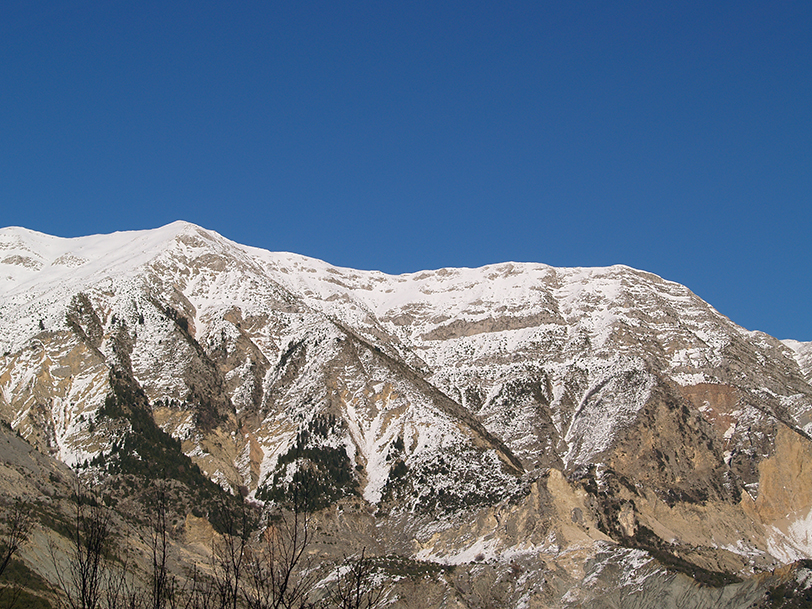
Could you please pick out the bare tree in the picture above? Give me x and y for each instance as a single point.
(163, 585)
(17, 525)
(16, 528)
(86, 576)
(229, 553)
(356, 587)
(198, 592)
(278, 567)
(120, 592)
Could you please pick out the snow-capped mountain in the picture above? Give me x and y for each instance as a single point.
(514, 412)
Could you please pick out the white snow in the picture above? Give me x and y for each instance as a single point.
(593, 333)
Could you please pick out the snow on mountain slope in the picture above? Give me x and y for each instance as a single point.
(212, 341)
(512, 306)
(451, 324)
(38, 272)
(430, 391)
(803, 354)
(474, 331)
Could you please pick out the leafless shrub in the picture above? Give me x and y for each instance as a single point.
(91, 580)
(16, 529)
(278, 569)
(356, 587)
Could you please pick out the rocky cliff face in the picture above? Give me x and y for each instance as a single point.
(569, 431)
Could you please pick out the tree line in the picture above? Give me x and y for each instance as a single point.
(260, 560)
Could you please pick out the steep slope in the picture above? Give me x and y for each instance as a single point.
(235, 365)
(589, 369)
(514, 412)
(803, 354)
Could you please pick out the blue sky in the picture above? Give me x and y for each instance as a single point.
(675, 137)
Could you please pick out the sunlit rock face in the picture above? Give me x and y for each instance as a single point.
(577, 430)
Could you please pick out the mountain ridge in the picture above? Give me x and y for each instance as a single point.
(583, 407)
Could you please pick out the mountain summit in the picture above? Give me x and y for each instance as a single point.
(551, 423)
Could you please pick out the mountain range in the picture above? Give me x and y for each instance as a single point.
(572, 436)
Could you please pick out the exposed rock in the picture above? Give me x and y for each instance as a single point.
(567, 437)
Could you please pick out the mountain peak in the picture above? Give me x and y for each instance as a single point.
(575, 408)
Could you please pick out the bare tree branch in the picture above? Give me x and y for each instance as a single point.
(355, 587)
(229, 553)
(278, 567)
(17, 525)
(86, 575)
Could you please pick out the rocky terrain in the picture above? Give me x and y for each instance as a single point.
(523, 435)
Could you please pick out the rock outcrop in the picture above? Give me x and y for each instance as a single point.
(579, 436)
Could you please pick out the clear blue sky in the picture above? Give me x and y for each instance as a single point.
(674, 137)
